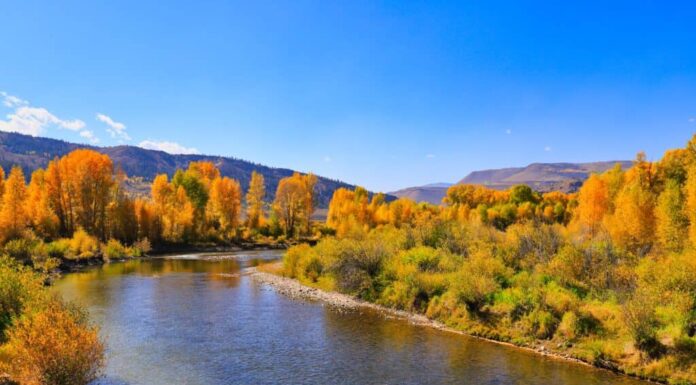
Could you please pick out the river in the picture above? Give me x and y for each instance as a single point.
(195, 320)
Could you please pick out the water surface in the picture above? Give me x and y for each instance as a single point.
(196, 320)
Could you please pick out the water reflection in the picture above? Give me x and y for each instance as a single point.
(187, 321)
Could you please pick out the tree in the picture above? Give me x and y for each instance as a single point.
(174, 209)
(672, 222)
(593, 203)
(309, 181)
(79, 187)
(289, 203)
(42, 218)
(522, 193)
(224, 204)
(690, 192)
(13, 216)
(632, 225)
(123, 222)
(255, 201)
(205, 171)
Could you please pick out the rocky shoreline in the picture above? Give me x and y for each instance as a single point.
(294, 289)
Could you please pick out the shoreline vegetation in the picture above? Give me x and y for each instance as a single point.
(604, 275)
(271, 274)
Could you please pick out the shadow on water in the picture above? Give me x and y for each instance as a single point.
(182, 320)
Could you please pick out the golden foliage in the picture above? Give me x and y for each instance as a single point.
(53, 347)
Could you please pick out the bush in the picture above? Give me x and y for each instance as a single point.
(477, 280)
(58, 249)
(113, 250)
(41, 260)
(642, 323)
(139, 248)
(292, 258)
(19, 249)
(19, 288)
(574, 325)
(425, 258)
(83, 245)
(53, 346)
(540, 324)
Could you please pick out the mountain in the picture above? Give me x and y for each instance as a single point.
(431, 193)
(143, 165)
(566, 177)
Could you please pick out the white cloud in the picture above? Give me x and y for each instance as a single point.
(166, 146)
(116, 129)
(691, 120)
(508, 131)
(89, 135)
(34, 121)
(12, 101)
(547, 148)
(327, 159)
(430, 156)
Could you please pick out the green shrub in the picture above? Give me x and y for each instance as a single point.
(540, 324)
(20, 288)
(478, 280)
(83, 245)
(139, 248)
(113, 249)
(19, 249)
(58, 249)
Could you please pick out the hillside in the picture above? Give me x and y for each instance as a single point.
(143, 165)
(431, 193)
(566, 177)
(541, 176)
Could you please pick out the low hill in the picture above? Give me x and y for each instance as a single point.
(143, 165)
(565, 177)
(431, 193)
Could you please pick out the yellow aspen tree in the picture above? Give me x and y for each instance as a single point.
(289, 203)
(41, 217)
(309, 181)
(672, 223)
(255, 201)
(632, 225)
(224, 204)
(13, 216)
(593, 202)
(690, 192)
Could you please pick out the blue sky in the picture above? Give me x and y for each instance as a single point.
(382, 94)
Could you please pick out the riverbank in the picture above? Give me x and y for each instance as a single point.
(294, 289)
(73, 265)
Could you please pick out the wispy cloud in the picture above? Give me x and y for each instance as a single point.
(327, 159)
(508, 131)
(430, 156)
(116, 129)
(89, 135)
(166, 146)
(691, 120)
(11, 100)
(547, 149)
(34, 121)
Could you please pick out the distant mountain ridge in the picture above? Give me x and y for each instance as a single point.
(541, 176)
(566, 177)
(31, 152)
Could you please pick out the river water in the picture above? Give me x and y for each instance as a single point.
(196, 320)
